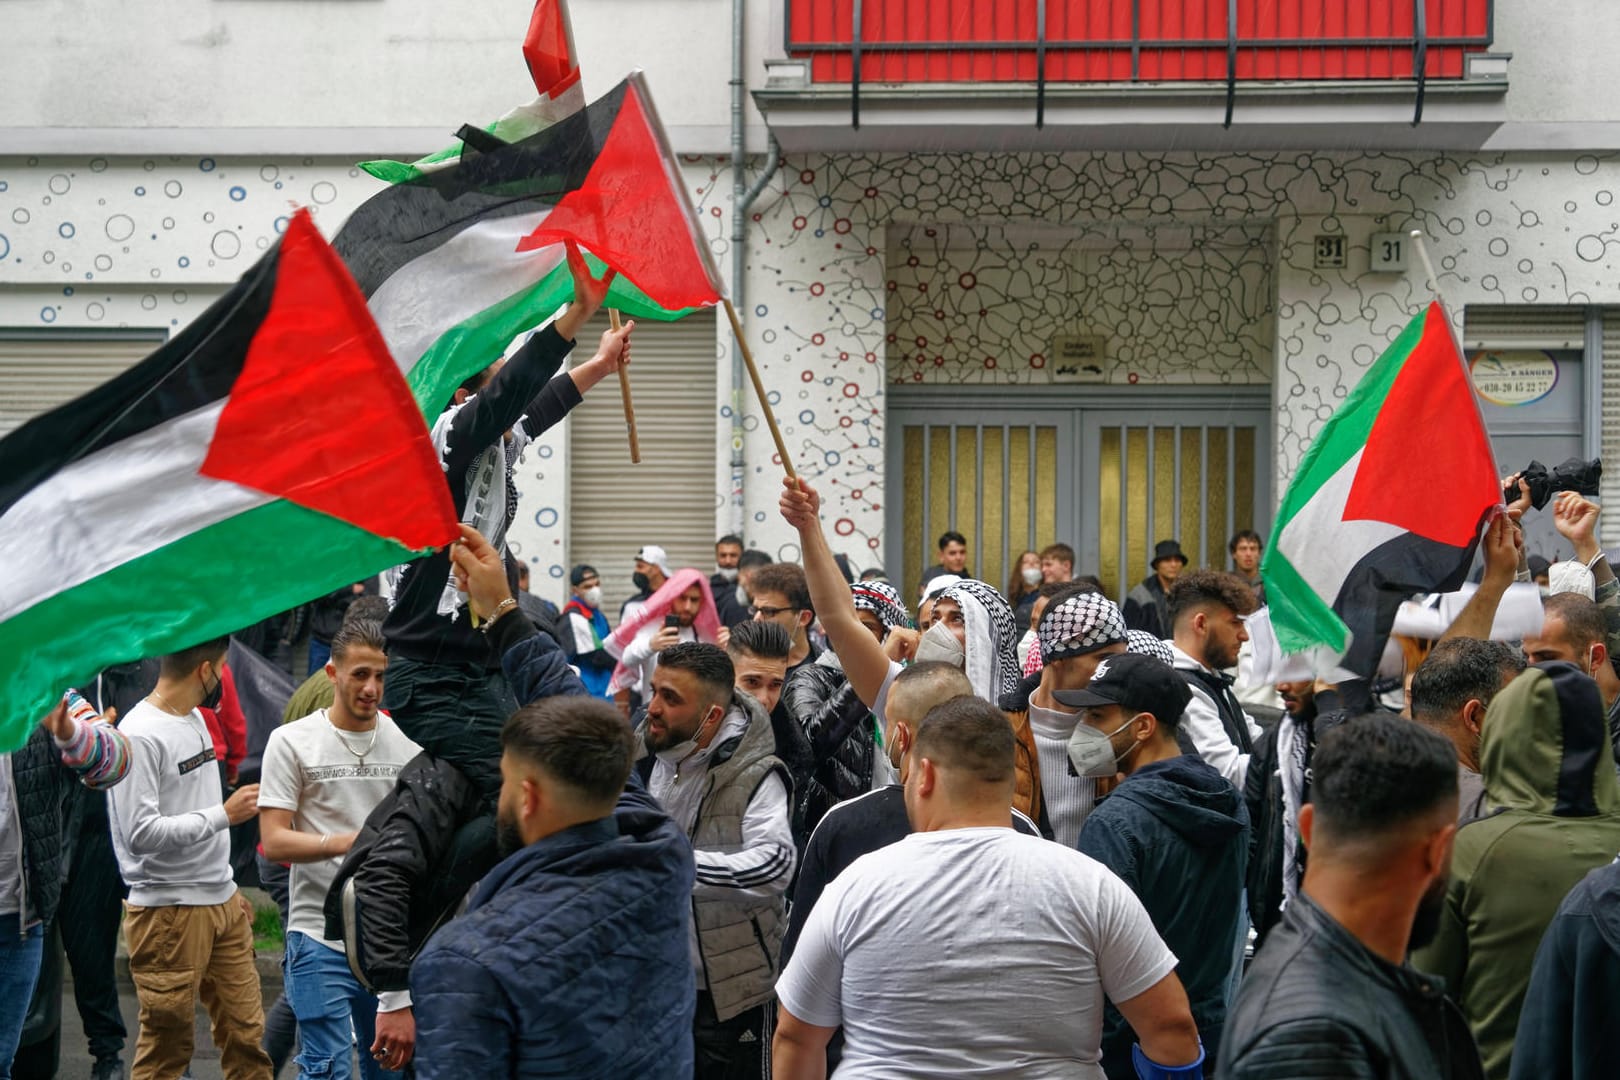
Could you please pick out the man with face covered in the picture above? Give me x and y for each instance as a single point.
(709, 758)
(1331, 994)
(1206, 612)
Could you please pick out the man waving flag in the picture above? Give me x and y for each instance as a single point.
(1388, 501)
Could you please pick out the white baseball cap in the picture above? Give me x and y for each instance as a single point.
(652, 553)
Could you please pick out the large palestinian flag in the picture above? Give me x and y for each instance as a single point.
(267, 454)
(1388, 501)
(456, 262)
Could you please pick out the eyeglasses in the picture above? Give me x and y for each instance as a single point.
(769, 612)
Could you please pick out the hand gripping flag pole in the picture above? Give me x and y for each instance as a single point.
(759, 390)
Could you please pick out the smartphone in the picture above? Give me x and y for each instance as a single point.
(672, 622)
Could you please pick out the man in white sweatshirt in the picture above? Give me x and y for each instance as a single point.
(189, 930)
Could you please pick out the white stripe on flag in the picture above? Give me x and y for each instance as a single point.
(473, 270)
(1321, 545)
(119, 503)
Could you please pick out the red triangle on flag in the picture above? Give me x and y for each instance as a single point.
(321, 415)
(630, 213)
(548, 48)
(1427, 465)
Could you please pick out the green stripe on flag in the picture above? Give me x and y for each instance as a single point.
(1299, 616)
(207, 585)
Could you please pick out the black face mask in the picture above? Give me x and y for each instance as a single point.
(211, 697)
(641, 581)
(1426, 923)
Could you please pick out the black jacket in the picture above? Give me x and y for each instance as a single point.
(839, 729)
(1566, 1028)
(432, 838)
(1147, 608)
(1177, 833)
(41, 789)
(1318, 1003)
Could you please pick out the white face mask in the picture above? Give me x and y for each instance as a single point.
(1032, 575)
(683, 750)
(743, 599)
(592, 596)
(727, 572)
(1092, 751)
(941, 645)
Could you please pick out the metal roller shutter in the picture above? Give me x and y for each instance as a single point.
(1523, 326)
(1609, 435)
(669, 499)
(41, 369)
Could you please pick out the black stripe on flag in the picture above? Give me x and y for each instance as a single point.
(195, 368)
(1382, 580)
(410, 219)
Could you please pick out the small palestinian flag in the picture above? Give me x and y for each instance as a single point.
(1388, 501)
(456, 263)
(267, 454)
(548, 49)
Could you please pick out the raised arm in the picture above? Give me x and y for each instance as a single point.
(1502, 546)
(858, 651)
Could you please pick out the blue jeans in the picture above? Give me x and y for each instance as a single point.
(327, 999)
(20, 955)
(319, 653)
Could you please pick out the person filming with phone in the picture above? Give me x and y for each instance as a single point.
(682, 609)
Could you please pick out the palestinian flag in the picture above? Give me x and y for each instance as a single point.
(548, 49)
(1388, 501)
(457, 262)
(267, 454)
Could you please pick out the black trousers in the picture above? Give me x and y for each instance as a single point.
(735, 1049)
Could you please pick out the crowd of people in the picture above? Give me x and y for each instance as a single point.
(771, 821)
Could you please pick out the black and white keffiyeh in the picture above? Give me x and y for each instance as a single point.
(882, 600)
(1140, 641)
(992, 638)
(1078, 625)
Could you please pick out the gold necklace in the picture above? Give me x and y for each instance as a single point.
(168, 708)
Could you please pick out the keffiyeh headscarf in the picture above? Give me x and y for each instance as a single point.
(706, 625)
(1144, 643)
(882, 600)
(1079, 624)
(992, 638)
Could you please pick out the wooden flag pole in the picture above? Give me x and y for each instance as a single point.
(759, 391)
(624, 394)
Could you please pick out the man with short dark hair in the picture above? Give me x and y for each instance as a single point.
(1555, 815)
(1331, 994)
(1245, 549)
(780, 595)
(952, 558)
(1174, 831)
(727, 553)
(897, 948)
(1206, 613)
(585, 630)
(759, 652)
(1451, 691)
(1147, 607)
(587, 910)
(709, 758)
(1574, 630)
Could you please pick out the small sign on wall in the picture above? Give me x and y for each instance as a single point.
(1387, 252)
(1079, 359)
(1513, 378)
(1330, 252)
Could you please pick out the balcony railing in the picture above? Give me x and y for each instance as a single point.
(1135, 41)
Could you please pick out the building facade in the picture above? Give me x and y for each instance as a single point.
(1121, 325)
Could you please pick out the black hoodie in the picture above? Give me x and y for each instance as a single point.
(1177, 833)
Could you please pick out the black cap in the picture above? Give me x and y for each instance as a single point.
(578, 574)
(1139, 682)
(1168, 549)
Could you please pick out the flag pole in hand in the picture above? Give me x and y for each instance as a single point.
(624, 394)
(759, 391)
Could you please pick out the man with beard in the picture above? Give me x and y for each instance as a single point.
(322, 775)
(1331, 994)
(587, 910)
(1451, 690)
(1206, 613)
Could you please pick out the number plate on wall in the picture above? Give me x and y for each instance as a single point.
(1330, 253)
(1387, 252)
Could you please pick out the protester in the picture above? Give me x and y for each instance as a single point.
(1174, 831)
(1206, 611)
(727, 554)
(733, 602)
(1077, 631)
(759, 653)
(1451, 691)
(322, 775)
(1331, 994)
(708, 757)
(586, 913)
(1245, 548)
(1566, 1028)
(1276, 860)
(445, 688)
(952, 558)
(842, 734)
(1555, 802)
(682, 610)
(70, 742)
(972, 626)
(649, 571)
(315, 692)
(1575, 631)
(1057, 564)
(1029, 651)
(1076, 934)
(585, 631)
(1147, 606)
(1022, 584)
(780, 595)
(187, 926)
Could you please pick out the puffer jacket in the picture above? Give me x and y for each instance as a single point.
(432, 838)
(1317, 1002)
(1026, 758)
(530, 982)
(1548, 769)
(840, 729)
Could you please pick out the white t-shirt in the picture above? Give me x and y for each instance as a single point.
(314, 770)
(972, 952)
